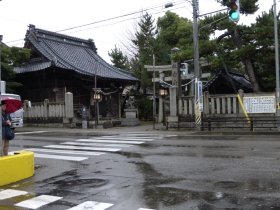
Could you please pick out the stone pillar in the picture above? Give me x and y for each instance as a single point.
(45, 109)
(173, 104)
(173, 118)
(241, 94)
(180, 106)
(206, 103)
(69, 110)
(160, 110)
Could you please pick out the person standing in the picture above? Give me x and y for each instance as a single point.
(6, 124)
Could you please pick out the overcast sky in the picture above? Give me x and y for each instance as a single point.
(57, 15)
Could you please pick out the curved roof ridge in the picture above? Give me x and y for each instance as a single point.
(73, 54)
(41, 32)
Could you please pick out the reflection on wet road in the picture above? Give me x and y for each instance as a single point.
(144, 172)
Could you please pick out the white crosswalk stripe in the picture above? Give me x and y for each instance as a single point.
(38, 202)
(111, 141)
(9, 193)
(44, 200)
(92, 205)
(72, 152)
(60, 157)
(84, 148)
(124, 138)
(95, 144)
(99, 145)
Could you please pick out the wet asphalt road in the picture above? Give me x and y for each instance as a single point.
(166, 171)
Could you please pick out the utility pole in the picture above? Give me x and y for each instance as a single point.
(198, 103)
(154, 93)
(195, 39)
(276, 61)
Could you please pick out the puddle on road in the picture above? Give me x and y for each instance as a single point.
(168, 196)
(157, 197)
(130, 154)
(208, 137)
(250, 185)
(227, 194)
(70, 183)
(80, 182)
(200, 146)
(223, 156)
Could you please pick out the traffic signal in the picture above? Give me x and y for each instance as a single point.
(234, 10)
(184, 69)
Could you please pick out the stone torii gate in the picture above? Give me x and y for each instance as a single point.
(176, 104)
(173, 89)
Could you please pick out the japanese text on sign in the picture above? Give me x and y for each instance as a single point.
(260, 104)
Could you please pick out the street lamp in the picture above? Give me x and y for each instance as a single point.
(96, 97)
(163, 92)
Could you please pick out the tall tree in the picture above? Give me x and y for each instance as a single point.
(144, 42)
(12, 57)
(234, 36)
(118, 59)
(174, 31)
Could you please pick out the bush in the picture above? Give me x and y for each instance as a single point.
(145, 107)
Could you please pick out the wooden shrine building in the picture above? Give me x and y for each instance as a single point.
(61, 63)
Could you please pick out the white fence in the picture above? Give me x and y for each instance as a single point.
(223, 104)
(49, 111)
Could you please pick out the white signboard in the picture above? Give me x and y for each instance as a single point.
(200, 95)
(260, 104)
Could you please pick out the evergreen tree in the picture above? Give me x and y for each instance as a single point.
(12, 57)
(144, 42)
(232, 44)
(118, 59)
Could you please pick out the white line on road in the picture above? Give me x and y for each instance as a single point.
(84, 148)
(111, 141)
(5, 194)
(95, 144)
(145, 209)
(92, 205)
(30, 132)
(72, 152)
(140, 134)
(37, 202)
(125, 138)
(59, 157)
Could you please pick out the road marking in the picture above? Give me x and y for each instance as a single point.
(5, 194)
(92, 205)
(140, 134)
(95, 144)
(59, 157)
(30, 132)
(111, 141)
(37, 202)
(145, 209)
(84, 148)
(125, 138)
(66, 151)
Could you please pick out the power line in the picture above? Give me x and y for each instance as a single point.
(108, 19)
(113, 18)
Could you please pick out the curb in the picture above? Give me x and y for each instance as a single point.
(16, 167)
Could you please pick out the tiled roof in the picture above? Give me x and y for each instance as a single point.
(68, 52)
(222, 83)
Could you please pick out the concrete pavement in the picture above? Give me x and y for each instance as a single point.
(145, 127)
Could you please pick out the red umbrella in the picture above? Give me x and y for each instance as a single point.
(12, 104)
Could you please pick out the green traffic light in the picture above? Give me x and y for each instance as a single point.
(234, 13)
(234, 16)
